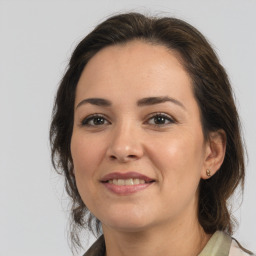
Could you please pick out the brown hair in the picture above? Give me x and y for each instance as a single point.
(212, 91)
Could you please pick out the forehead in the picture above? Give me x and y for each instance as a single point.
(136, 68)
(137, 54)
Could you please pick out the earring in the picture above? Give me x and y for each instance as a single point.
(208, 173)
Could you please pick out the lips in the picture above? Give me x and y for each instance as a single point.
(126, 183)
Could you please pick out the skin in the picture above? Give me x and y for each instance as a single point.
(173, 153)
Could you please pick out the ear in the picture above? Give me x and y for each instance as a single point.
(215, 153)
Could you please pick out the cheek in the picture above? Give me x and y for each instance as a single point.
(178, 157)
(86, 157)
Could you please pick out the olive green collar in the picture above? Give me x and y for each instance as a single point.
(218, 245)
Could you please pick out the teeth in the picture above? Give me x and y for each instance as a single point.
(120, 182)
(129, 182)
(126, 182)
(136, 181)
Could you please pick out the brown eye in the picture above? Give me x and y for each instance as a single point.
(98, 120)
(160, 119)
(94, 121)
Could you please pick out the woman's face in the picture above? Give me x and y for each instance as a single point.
(137, 144)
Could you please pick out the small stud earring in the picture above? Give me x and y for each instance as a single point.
(208, 173)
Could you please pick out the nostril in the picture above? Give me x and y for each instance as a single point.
(132, 156)
(123, 158)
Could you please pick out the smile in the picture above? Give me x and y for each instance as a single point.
(127, 182)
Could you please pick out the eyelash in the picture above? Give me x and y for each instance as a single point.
(94, 117)
(163, 116)
(85, 121)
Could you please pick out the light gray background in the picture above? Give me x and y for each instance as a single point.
(36, 40)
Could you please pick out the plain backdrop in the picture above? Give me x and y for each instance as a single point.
(36, 40)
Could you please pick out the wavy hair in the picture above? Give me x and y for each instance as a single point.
(212, 91)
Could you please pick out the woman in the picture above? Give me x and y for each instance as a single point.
(146, 131)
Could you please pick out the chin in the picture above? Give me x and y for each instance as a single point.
(127, 221)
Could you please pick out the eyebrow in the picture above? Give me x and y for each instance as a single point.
(142, 102)
(158, 100)
(95, 101)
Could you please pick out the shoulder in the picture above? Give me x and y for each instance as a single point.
(236, 250)
(97, 249)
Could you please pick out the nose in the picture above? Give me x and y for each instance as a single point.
(125, 144)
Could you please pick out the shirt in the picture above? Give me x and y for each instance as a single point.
(220, 244)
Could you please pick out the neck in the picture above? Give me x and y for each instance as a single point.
(179, 239)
